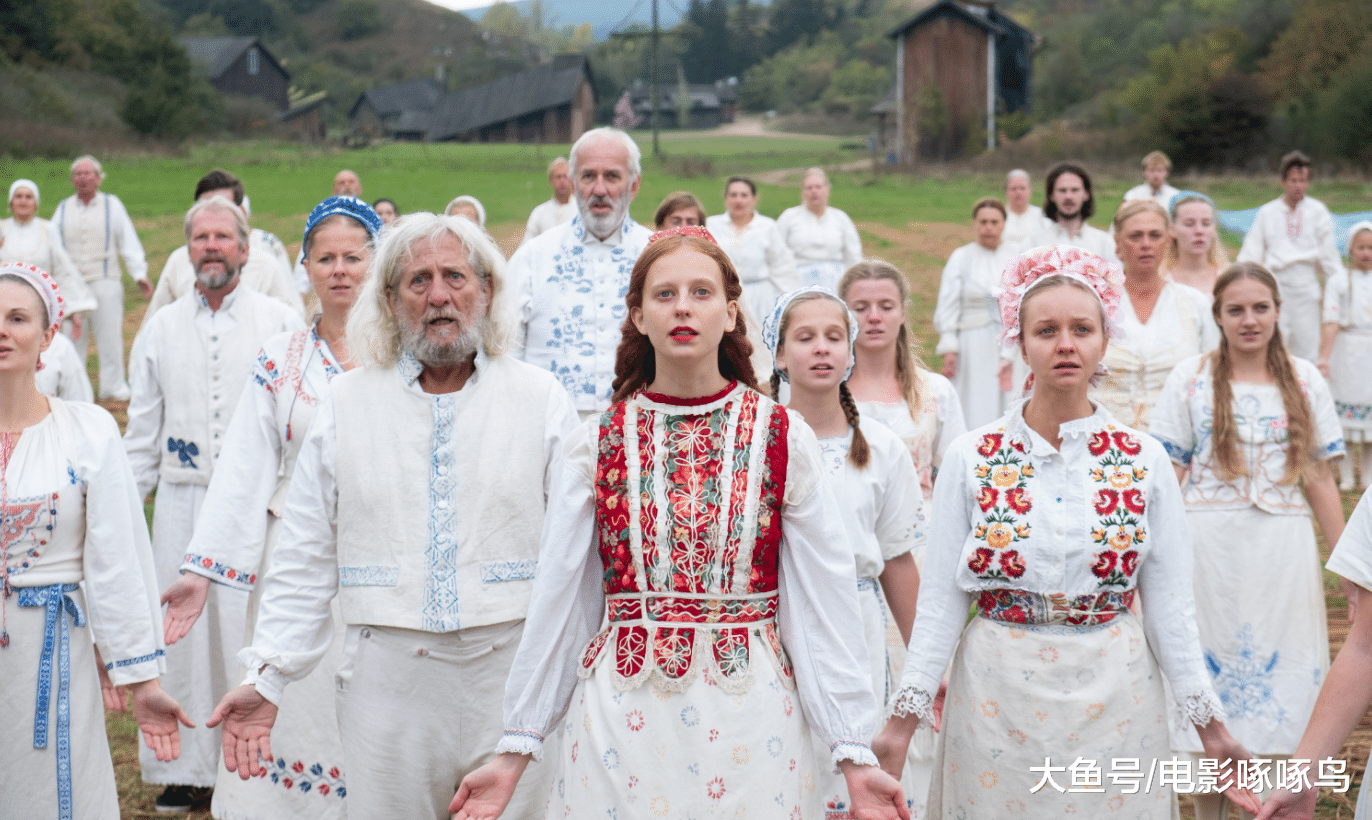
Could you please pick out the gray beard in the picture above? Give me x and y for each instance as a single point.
(602, 226)
(416, 342)
(215, 282)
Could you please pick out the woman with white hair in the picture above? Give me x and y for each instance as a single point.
(27, 238)
(824, 240)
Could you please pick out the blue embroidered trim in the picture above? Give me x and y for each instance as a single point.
(373, 576)
(508, 571)
(56, 635)
(409, 367)
(131, 661)
(184, 449)
(1335, 448)
(867, 584)
(229, 574)
(440, 594)
(529, 733)
(853, 743)
(1178, 454)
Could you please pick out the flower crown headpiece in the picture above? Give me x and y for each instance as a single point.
(1031, 268)
(684, 230)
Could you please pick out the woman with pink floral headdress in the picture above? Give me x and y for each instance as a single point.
(1051, 520)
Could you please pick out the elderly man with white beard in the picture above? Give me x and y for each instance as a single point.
(569, 283)
(418, 500)
(188, 367)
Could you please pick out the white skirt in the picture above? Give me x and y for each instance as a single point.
(976, 380)
(1349, 363)
(1263, 627)
(1019, 695)
(649, 752)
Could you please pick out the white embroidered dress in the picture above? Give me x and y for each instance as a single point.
(883, 516)
(967, 319)
(72, 515)
(1259, 591)
(1139, 363)
(690, 556)
(1051, 545)
(765, 265)
(232, 545)
(1348, 303)
(824, 246)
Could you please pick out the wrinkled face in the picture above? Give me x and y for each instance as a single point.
(337, 263)
(346, 183)
(1360, 250)
(440, 303)
(1140, 241)
(1295, 184)
(814, 353)
(1195, 229)
(681, 218)
(23, 204)
(1248, 316)
(23, 334)
(739, 199)
(1069, 194)
(1017, 193)
(814, 192)
(1062, 337)
(386, 211)
(1155, 175)
(880, 312)
(215, 250)
(604, 185)
(85, 179)
(989, 224)
(560, 178)
(685, 311)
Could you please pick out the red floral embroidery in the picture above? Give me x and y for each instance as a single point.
(1133, 500)
(1011, 563)
(1105, 564)
(1098, 443)
(986, 498)
(1129, 562)
(1106, 501)
(989, 444)
(1126, 443)
(980, 560)
(1017, 498)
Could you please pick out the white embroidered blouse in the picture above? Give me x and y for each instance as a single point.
(1102, 514)
(1182, 422)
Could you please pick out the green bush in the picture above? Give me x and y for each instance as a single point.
(358, 18)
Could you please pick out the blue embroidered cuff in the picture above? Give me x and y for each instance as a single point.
(218, 572)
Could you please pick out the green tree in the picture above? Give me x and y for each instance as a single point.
(358, 18)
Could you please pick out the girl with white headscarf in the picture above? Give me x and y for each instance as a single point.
(27, 238)
(1346, 349)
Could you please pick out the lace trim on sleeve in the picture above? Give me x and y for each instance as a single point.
(521, 742)
(859, 753)
(1199, 708)
(911, 701)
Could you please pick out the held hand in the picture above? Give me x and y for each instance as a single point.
(950, 365)
(1285, 805)
(248, 719)
(157, 714)
(876, 795)
(76, 324)
(1220, 745)
(112, 695)
(1004, 374)
(890, 747)
(938, 704)
(145, 288)
(484, 793)
(1323, 365)
(185, 600)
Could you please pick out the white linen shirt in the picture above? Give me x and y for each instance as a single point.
(98, 235)
(1352, 556)
(38, 243)
(765, 264)
(266, 270)
(940, 421)
(967, 292)
(1015, 513)
(1182, 422)
(881, 504)
(187, 371)
(1020, 228)
(309, 564)
(568, 295)
(1089, 238)
(548, 215)
(1348, 300)
(1145, 191)
(1309, 253)
(831, 237)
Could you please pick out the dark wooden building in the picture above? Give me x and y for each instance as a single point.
(400, 111)
(240, 65)
(957, 65)
(710, 104)
(304, 120)
(550, 103)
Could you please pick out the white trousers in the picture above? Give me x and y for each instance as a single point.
(419, 710)
(106, 324)
(1300, 311)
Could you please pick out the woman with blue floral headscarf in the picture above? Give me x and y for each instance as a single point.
(253, 473)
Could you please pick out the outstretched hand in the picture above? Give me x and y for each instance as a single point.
(185, 600)
(158, 714)
(484, 793)
(1285, 805)
(876, 795)
(248, 719)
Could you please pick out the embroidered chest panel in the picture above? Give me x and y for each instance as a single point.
(688, 521)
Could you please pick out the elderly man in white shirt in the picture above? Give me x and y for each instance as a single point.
(548, 215)
(1156, 167)
(267, 269)
(418, 500)
(1293, 237)
(568, 284)
(189, 366)
(97, 233)
(1022, 217)
(1068, 203)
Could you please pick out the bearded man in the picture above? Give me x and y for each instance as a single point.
(418, 499)
(569, 282)
(187, 369)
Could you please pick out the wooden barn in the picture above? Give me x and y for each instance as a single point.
(958, 64)
(399, 110)
(240, 65)
(550, 103)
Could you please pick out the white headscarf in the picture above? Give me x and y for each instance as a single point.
(23, 183)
